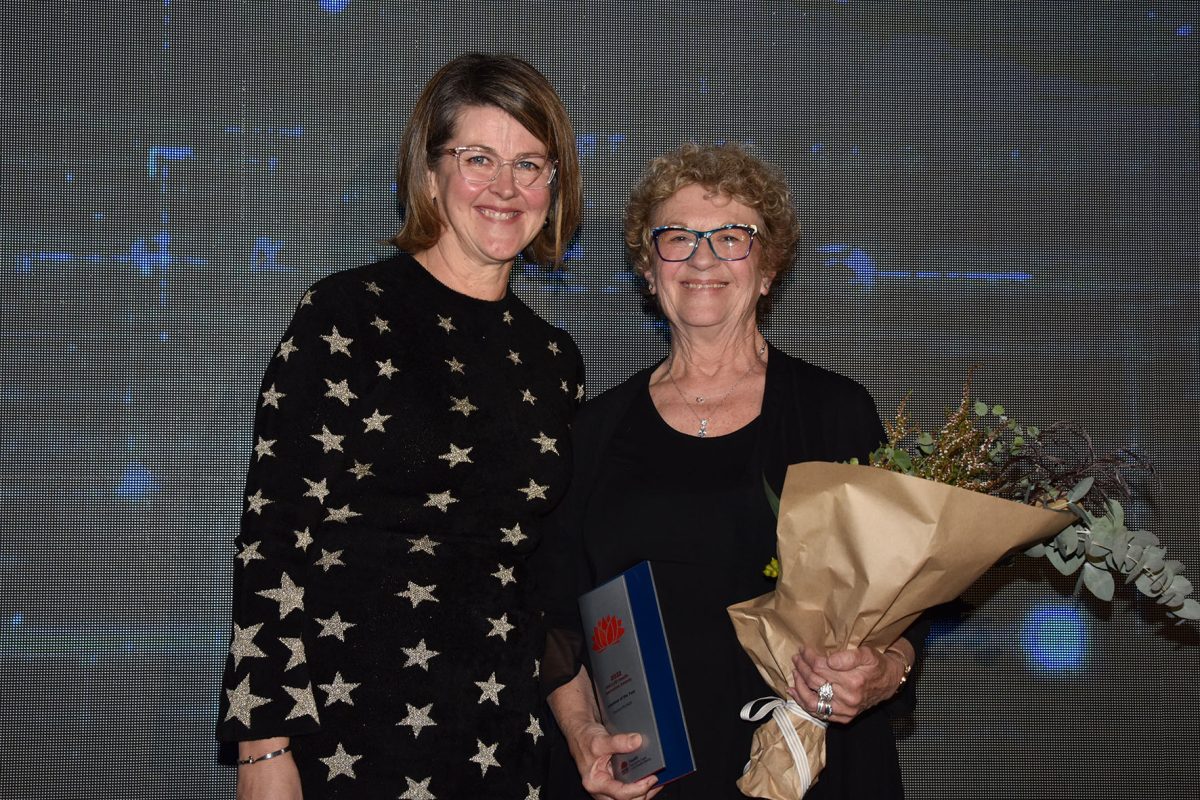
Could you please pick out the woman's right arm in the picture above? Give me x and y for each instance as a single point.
(591, 745)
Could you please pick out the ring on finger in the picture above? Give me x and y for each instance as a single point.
(824, 709)
(825, 692)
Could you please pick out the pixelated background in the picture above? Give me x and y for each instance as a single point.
(1012, 184)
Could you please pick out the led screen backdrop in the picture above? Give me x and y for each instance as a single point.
(1012, 184)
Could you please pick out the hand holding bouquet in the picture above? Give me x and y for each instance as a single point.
(870, 548)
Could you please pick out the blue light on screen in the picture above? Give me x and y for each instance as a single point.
(137, 482)
(334, 6)
(1055, 639)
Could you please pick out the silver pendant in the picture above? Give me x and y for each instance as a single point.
(703, 428)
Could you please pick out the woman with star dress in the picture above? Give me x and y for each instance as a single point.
(411, 434)
(669, 467)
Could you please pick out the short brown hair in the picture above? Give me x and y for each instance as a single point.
(510, 84)
(725, 169)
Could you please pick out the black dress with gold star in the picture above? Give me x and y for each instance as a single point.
(408, 441)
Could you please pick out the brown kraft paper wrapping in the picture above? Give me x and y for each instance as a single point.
(862, 552)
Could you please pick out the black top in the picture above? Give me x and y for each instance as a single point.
(408, 441)
(696, 508)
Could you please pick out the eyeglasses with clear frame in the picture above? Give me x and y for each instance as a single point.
(480, 165)
(729, 242)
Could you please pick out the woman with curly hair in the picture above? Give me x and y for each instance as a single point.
(669, 467)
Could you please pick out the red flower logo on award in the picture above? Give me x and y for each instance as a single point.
(608, 630)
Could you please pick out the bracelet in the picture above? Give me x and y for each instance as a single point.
(904, 661)
(264, 757)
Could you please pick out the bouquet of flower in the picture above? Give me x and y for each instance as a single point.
(873, 547)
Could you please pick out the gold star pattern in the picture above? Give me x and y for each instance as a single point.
(489, 689)
(303, 539)
(337, 343)
(418, 790)
(514, 357)
(380, 324)
(340, 391)
(307, 299)
(419, 656)
(306, 704)
(373, 288)
(360, 471)
(528, 397)
(417, 719)
(286, 348)
(446, 323)
(500, 627)
(441, 501)
(329, 441)
(417, 594)
(243, 645)
(242, 701)
(317, 489)
(508, 318)
(334, 626)
(553, 348)
(271, 397)
(456, 366)
(329, 560)
(537, 668)
(250, 553)
(263, 448)
(386, 369)
(375, 422)
(579, 392)
(534, 491)
(457, 455)
(339, 690)
(256, 502)
(545, 443)
(463, 405)
(535, 728)
(533, 792)
(289, 596)
(486, 757)
(423, 545)
(563, 385)
(340, 763)
(342, 515)
(296, 646)
(504, 575)
(513, 535)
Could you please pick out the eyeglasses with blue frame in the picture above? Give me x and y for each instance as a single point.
(675, 243)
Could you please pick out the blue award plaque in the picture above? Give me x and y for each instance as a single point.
(634, 677)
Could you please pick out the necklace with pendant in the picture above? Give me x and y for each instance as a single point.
(701, 399)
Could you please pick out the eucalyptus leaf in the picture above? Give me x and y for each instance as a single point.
(1189, 610)
(1067, 542)
(1099, 581)
(1066, 566)
(981, 408)
(998, 410)
(1037, 551)
(1080, 490)
(772, 498)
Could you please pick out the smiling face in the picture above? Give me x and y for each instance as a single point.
(705, 292)
(487, 225)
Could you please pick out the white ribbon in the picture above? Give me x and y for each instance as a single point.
(778, 709)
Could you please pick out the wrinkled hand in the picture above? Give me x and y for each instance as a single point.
(593, 749)
(862, 677)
